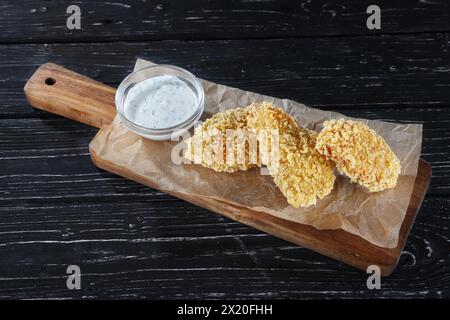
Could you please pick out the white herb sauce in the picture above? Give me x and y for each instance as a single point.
(160, 102)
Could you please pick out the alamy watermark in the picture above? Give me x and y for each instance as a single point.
(73, 281)
(374, 280)
(374, 20)
(73, 22)
(231, 147)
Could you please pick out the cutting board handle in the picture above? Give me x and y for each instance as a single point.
(58, 90)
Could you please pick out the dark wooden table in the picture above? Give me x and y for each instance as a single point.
(57, 209)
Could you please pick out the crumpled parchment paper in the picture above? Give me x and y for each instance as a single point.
(376, 217)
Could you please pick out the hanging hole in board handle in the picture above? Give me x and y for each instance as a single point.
(50, 81)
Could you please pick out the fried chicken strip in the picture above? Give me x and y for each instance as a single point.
(359, 153)
(301, 173)
(220, 143)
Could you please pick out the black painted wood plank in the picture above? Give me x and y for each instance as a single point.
(330, 73)
(135, 248)
(49, 158)
(32, 21)
(57, 209)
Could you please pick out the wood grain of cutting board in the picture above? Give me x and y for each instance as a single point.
(61, 91)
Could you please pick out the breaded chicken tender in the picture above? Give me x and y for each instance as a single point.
(220, 144)
(266, 116)
(301, 173)
(359, 153)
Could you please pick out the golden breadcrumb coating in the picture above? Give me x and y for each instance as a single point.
(302, 174)
(223, 132)
(265, 115)
(360, 153)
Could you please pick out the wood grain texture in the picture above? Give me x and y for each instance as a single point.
(436, 119)
(58, 90)
(337, 244)
(131, 241)
(82, 99)
(57, 209)
(31, 21)
(33, 149)
(140, 247)
(330, 73)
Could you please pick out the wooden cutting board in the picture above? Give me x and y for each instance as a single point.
(61, 91)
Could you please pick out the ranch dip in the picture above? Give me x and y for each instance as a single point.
(160, 102)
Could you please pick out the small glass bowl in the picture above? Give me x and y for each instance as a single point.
(154, 71)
